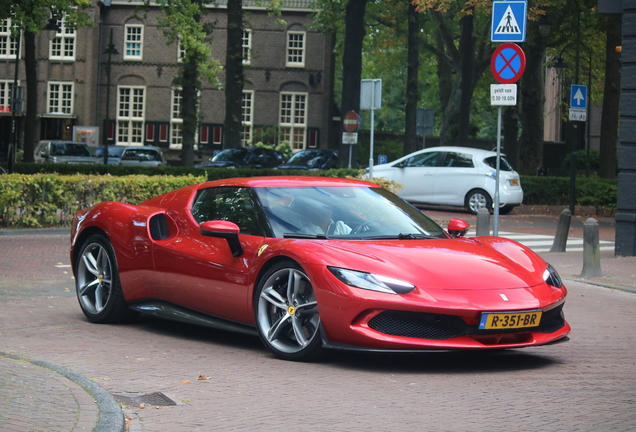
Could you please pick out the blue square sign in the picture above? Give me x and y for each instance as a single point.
(578, 96)
(509, 21)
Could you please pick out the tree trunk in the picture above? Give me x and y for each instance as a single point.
(189, 114)
(412, 72)
(532, 89)
(234, 75)
(467, 52)
(30, 121)
(611, 101)
(352, 71)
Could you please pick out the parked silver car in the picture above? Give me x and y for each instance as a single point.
(68, 152)
(142, 155)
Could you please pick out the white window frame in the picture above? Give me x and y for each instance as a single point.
(247, 117)
(295, 52)
(8, 43)
(130, 127)
(247, 46)
(63, 43)
(135, 40)
(176, 121)
(292, 119)
(60, 100)
(5, 95)
(180, 52)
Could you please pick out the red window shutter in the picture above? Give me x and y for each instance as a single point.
(150, 132)
(163, 132)
(218, 134)
(205, 130)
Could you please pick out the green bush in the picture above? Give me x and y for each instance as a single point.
(590, 191)
(44, 200)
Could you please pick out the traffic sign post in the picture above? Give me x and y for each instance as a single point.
(509, 21)
(578, 102)
(371, 99)
(508, 62)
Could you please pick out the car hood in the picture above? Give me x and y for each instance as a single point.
(455, 264)
(75, 159)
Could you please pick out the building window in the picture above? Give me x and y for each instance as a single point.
(60, 98)
(176, 121)
(133, 43)
(247, 46)
(130, 115)
(295, 49)
(8, 44)
(180, 52)
(247, 120)
(293, 119)
(62, 47)
(5, 95)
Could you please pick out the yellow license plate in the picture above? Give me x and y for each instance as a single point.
(510, 320)
(514, 182)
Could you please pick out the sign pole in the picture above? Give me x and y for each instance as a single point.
(495, 230)
(372, 127)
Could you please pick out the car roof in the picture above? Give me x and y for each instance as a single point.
(139, 147)
(287, 181)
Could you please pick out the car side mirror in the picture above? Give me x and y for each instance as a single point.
(458, 228)
(226, 230)
(401, 164)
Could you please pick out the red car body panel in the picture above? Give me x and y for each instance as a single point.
(460, 277)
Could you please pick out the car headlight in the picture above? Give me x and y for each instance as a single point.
(370, 281)
(551, 277)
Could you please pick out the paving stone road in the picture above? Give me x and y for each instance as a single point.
(587, 384)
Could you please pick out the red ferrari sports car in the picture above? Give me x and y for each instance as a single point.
(311, 263)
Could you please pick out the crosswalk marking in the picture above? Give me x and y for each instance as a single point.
(543, 243)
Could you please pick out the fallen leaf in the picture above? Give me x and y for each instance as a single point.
(185, 382)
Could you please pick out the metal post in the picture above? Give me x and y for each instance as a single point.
(372, 127)
(110, 51)
(495, 230)
(13, 147)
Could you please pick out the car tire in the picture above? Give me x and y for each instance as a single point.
(286, 313)
(97, 283)
(477, 199)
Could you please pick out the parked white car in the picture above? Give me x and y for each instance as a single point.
(455, 176)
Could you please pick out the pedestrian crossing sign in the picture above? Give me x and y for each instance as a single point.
(509, 21)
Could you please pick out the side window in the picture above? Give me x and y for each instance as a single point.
(424, 160)
(458, 160)
(234, 204)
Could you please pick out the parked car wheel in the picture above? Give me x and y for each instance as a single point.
(97, 283)
(287, 313)
(477, 199)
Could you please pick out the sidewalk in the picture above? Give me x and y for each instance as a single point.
(36, 395)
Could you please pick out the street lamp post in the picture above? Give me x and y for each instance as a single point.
(110, 50)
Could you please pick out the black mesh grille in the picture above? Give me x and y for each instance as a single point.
(438, 327)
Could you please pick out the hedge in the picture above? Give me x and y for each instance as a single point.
(46, 200)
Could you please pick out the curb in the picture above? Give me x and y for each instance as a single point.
(111, 417)
(603, 285)
(35, 231)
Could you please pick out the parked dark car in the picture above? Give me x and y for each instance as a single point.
(256, 157)
(312, 160)
(114, 154)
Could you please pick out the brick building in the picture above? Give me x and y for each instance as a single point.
(288, 79)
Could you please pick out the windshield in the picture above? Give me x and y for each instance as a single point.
(113, 151)
(70, 149)
(310, 158)
(343, 212)
(231, 155)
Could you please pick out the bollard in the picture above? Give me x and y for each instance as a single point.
(591, 250)
(563, 228)
(483, 222)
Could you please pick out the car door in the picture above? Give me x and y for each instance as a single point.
(415, 174)
(199, 272)
(453, 178)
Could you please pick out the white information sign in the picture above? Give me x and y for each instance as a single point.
(577, 114)
(349, 138)
(503, 94)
